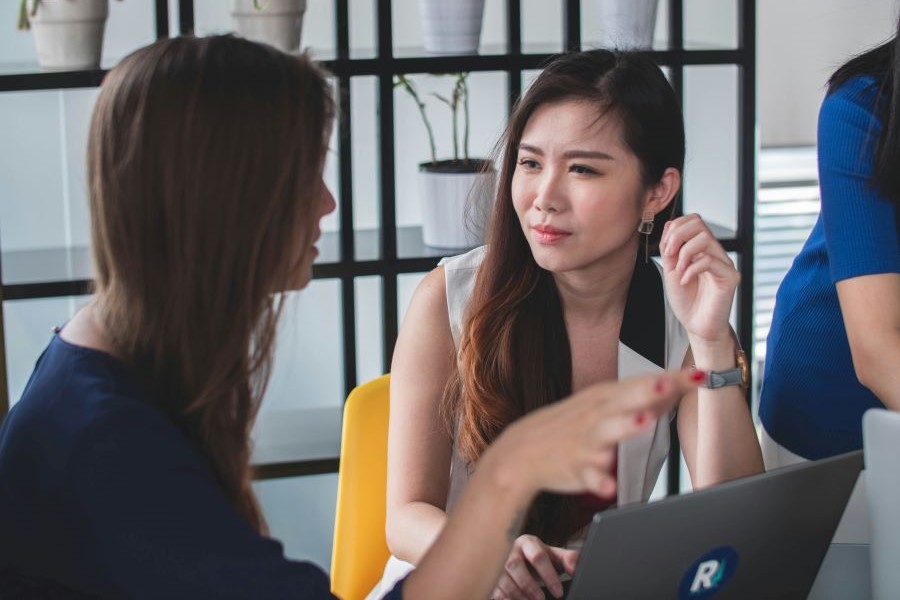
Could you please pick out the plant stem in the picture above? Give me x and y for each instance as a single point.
(464, 86)
(407, 85)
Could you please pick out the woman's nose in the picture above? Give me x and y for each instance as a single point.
(549, 196)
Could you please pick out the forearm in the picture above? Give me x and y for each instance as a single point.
(468, 556)
(412, 529)
(878, 367)
(727, 445)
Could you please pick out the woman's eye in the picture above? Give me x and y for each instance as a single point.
(582, 170)
(528, 163)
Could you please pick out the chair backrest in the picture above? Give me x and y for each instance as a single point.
(360, 550)
(881, 443)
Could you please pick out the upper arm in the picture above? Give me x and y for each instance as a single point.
(419, 447)
(860, 223)
(158, 525)
(870, 306)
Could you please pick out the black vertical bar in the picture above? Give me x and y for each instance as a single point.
(676, 41)
(345, 193)
(186, 17)
(388, 190)
(4, 381)
(513, 48)
(162, 19)
(747, 176)
(572, 26)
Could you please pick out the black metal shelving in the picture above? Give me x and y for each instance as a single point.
(391, 250)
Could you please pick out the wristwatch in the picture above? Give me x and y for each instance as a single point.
(740, 375)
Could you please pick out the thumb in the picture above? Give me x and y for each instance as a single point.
(563, 559)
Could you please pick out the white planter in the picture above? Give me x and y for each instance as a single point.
(455, 207)
(627, 23)
(68, 34)
(451, 26)
(277, 22)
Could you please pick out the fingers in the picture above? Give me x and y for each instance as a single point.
(723, 270)
(637, 399)
(538, 556)
(564, 559)
(518, 582)
(686, 237)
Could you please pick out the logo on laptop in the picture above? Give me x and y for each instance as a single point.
(708, 574)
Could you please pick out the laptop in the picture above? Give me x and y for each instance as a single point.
(762, 536)
(881, 440)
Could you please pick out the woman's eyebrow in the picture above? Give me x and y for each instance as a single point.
(570, 153)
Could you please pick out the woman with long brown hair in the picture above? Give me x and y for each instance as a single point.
(563, 296)
(124, 467)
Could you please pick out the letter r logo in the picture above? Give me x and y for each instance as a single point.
(705, 572)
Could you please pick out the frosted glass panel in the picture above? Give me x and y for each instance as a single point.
(366, 178)
(28, 326)
(308, 369)
(711, 121)
(710, 24)
(300, 514)
(406, 287)
(369, 328)
(542, 26)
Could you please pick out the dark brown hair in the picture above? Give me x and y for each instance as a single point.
(514, 351)
(201, 157)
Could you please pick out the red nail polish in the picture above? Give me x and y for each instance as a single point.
(640, 418)
(698, 375)
(660, 386)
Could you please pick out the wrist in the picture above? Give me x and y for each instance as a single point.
(714, 355)
(506, 473)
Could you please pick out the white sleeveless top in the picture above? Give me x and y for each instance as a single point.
(651, 340)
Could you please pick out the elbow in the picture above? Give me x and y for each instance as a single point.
(391, 531)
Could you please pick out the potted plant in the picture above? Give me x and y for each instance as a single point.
(451, 26)
(68, 34)
(455, 193)
(627, 23)
(274, 22)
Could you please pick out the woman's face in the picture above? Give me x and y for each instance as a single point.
(307, 255)
(577, 188)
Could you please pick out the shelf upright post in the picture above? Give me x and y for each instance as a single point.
(572, 26)
(385, 60)
(345, 193)
(676, 78)
(514, 49)
(747, 177)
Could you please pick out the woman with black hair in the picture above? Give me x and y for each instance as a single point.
(834, 346)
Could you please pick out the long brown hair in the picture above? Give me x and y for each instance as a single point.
(201, 160)
(514, 350)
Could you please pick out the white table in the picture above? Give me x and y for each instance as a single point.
(844, 574)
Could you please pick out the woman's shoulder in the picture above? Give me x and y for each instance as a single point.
(470, 260)
(859, 92)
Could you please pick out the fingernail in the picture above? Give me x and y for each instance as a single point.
(640, 418)
(661, 386)
(557, 591)
(697, 375)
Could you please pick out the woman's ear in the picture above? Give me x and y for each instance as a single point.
(661, 193)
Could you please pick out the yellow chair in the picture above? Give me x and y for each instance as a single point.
(360, 549)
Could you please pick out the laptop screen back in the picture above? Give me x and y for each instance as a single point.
(759, 537)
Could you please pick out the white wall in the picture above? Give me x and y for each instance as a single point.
(800, 43)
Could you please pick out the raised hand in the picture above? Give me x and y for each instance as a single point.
(700, 279)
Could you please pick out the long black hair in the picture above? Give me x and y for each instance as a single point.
(883, 63)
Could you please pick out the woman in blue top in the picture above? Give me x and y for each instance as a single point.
(834, 347)
(124, 468)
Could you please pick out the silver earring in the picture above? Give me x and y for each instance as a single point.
(645, 229)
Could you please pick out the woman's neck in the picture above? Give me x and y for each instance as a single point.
(86, 329)
(597, 293)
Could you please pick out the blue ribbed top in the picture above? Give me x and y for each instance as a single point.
(812, 402)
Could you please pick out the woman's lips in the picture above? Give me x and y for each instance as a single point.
(546, 234)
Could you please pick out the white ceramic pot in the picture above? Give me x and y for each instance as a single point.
(455, 206)
(451, 26)
(276, 22)
(627, 23)
(68, 34)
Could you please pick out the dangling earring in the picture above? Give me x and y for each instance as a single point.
(645, 229)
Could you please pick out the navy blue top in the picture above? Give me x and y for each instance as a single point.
(811, 401)
(101, 493)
